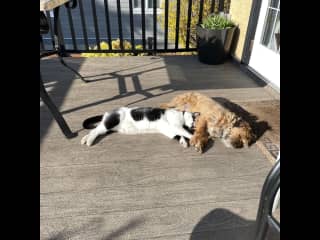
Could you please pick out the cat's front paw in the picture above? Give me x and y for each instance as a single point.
(183, 142)
(86, 140)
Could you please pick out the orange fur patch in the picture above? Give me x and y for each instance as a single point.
(214, 121)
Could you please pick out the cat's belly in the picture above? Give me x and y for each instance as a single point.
(133, 132)
(137, 128)
(137, 131)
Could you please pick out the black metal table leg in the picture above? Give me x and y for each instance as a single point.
(59, 46)
(55, 112)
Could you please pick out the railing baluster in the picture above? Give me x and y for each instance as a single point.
(155, 25)
(72, 29)
(95, 22)
(200, 11)
(137, 51)
(83, 23)
(188, 24)
(213, 3)
(120, 24)
(131, 25)
(152, 46)
(41, 44)
(106, 10)
(221, 5)
(50, 28)
(143, 24)
(177, 25)
(166, 24)
(61, 38)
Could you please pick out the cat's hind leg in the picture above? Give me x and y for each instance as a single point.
(93, 134)
(108, 122)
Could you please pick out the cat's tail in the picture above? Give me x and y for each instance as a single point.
(90, 123)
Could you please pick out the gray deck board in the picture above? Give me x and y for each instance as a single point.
(144, 186)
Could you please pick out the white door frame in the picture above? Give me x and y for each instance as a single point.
(263, 60)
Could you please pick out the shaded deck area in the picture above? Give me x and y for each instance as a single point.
(147, 186)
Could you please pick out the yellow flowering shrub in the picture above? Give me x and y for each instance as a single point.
(115, 46)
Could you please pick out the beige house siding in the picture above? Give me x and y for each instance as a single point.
(240, 13)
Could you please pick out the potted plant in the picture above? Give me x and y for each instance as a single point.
(214, 38)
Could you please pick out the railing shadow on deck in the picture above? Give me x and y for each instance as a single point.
(190, 81)
(184, 73)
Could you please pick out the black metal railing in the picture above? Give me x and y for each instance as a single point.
(93, 21)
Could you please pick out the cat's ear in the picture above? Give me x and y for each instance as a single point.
(196, 114)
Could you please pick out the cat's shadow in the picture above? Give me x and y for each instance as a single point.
(209, 145)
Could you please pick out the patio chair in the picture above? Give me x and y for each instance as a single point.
(269, 200)
(59, 48)
(44, 28)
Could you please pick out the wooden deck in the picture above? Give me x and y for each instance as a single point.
(144, 187)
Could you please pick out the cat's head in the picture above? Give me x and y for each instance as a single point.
(190, 119)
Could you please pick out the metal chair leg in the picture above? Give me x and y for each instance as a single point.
(59, 43)
(269, 191)
(55, 112)
(70, 68)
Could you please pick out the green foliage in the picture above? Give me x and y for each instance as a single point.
(183, 21)
(216, 22)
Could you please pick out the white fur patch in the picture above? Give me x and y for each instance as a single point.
(170, 124)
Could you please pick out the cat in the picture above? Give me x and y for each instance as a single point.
(139, 120)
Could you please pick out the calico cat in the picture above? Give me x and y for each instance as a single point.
(138, 120)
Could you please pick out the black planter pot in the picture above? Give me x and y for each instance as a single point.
(214, 45)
